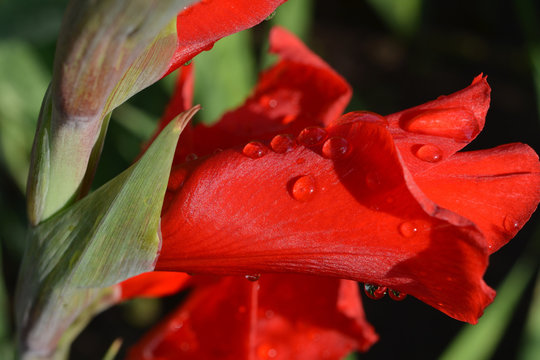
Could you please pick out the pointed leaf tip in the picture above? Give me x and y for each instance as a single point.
(181, 121)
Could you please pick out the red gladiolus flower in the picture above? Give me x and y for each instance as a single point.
(381, 200)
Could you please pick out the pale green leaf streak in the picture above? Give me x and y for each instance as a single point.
(530, 348)
(479, 342)
(113, 349)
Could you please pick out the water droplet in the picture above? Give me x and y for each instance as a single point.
(268, 102)
(396, 295)
(374, 292)
(191, 157)
(510, 224)
(217, 151)
(209, 46)
(303, 188)
(312, 136)
(254, 150)
(407, 229)
(335, 147)
(253, 277)
(459, 124)
(429, 153)
(269, 17)
(266, 351)
(282, 143)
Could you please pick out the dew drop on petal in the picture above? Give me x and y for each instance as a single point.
(335, 147)
(374, 292)
(282, 143)
(303, 188)
(269, 17)
(458, 124)
(396, 295)
(191, 157)
(407, 229)
(311, 136)
(510, 224)
(429, 153)
(254, 150)
(253, 277)
(266, 351)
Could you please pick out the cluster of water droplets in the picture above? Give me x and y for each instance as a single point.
(303, 187)
(377, 292)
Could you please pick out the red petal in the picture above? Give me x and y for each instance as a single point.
(446, 125)
(300, 90)
(215, 323)
(291, 317)
(307, 317)
(153, 284)
(498, 189)
(347, 217)
(207, 21)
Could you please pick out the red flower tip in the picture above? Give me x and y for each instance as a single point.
(153, 284)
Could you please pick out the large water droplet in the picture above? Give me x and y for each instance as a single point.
(254, 150)
(429, 153)
(407, 229)
(335, 147)
(303, 188)
(312, 136)
(374, 292)
(253, 277)
(396, 295)
(510, 224)
(455, 123)
(282, 143)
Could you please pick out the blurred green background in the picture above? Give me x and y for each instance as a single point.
(396, 54)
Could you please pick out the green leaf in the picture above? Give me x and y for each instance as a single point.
(107, 51)
(530, 348)
(6, 345)
(113, 349)
(23, 80)
(479, 342)
(109, 236)
(296, 16)
(225, 76)
(402, 16)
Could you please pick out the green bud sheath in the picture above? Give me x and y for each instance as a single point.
(109, 236)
